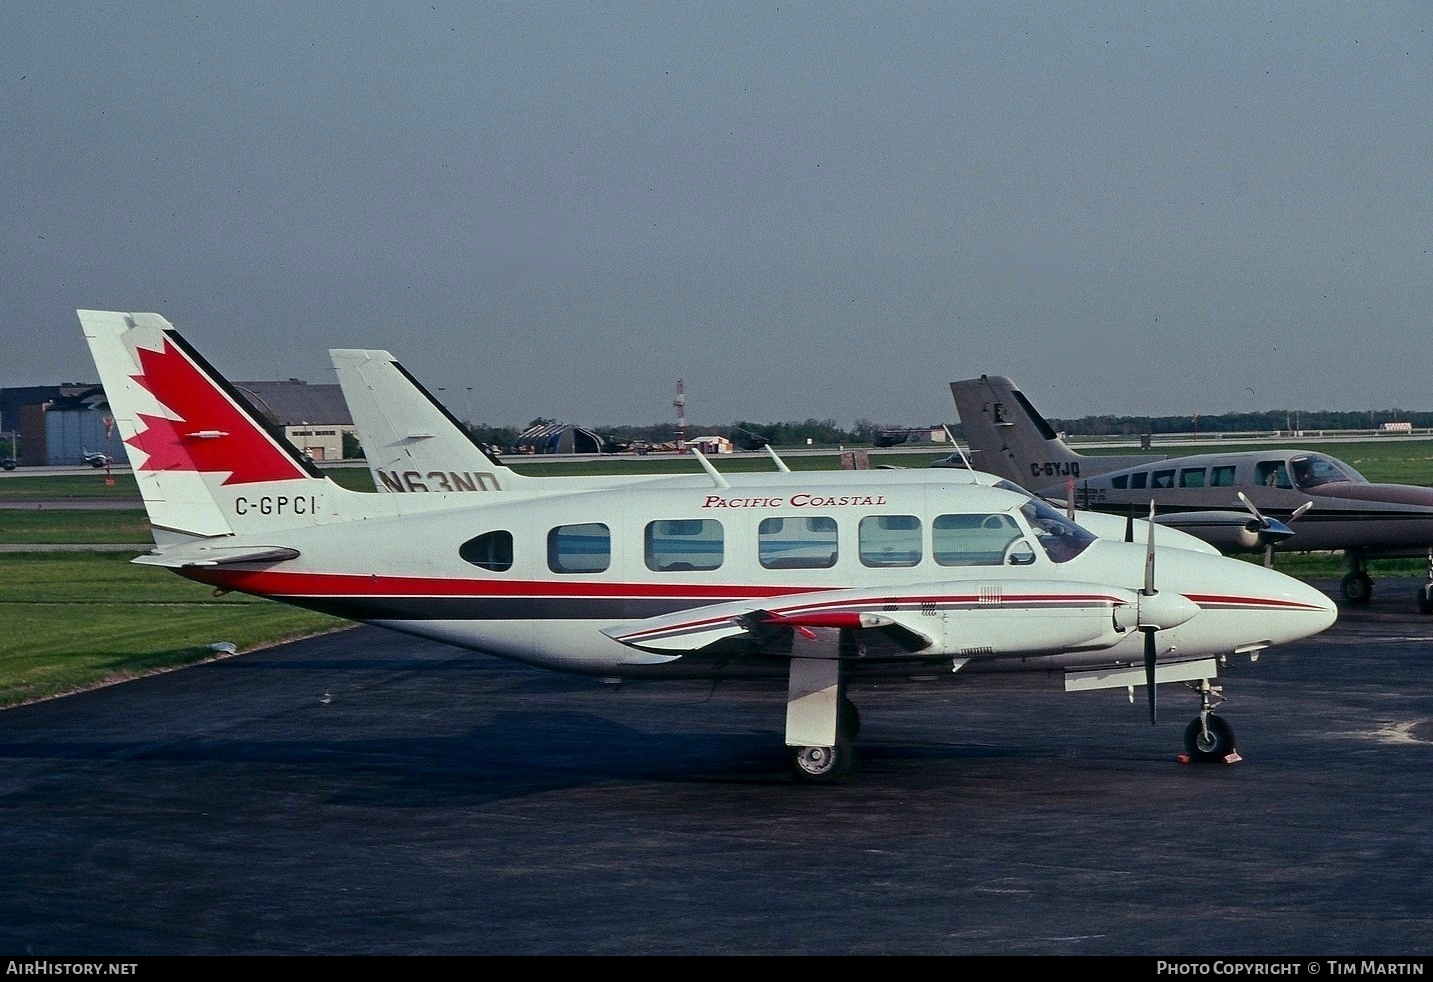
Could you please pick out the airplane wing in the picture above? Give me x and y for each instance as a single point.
(954, 618)
(1228, 529)
(744, 627)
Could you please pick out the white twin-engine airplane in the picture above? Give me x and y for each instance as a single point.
(819, 581)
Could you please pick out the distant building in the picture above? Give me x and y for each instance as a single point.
(897, 435)
(551, 438)
(58, 424)
(78, 424)
(314, 418)
(710, 444)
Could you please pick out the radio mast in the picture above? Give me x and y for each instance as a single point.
(681, 404)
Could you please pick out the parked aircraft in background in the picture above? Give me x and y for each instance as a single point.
(1295, 500)
(816, 585)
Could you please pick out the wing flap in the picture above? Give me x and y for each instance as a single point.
(755, 629)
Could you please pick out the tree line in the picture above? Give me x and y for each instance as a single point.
(748, 435)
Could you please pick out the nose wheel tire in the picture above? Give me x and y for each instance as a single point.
(822, 765)
(1208, 743)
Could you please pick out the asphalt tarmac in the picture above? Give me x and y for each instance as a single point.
(368, 794)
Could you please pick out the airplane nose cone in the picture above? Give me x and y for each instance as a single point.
(1302, 610)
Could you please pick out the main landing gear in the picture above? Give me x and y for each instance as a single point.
(1357, 586)
(821, 720)
(1209, 739)
(826, 765)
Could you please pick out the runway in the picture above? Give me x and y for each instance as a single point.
(365, 793)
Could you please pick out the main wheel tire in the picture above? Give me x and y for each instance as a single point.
(1212, 746)
(1424, 599)
(822, 765)
(1358, 588)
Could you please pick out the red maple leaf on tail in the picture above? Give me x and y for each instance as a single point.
(244, 450)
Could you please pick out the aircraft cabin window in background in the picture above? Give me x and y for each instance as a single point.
(1273, 474)
(684, 544)
(1163, 479)
(1061, 538)
(1191, 477)
(890, 540)
(797, 543)
(972, 540)
(1120, 483)
(1222, 477)
(579, 548)
(491, 550)
(1136, 481)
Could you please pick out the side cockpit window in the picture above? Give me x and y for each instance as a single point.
(976, 540)
(1273, 474)
(1061, 538)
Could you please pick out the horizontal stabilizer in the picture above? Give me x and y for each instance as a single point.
(217, 556)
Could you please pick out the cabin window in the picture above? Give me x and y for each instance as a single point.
(797, 543)
(684, 544)
(890, 540)
(579, 548)
(1191, 477)
(972, 540)
(1222, 477)
(1273, 474)
(491, 550)
(1120, 483)
(1163, 479)
(1137, 481)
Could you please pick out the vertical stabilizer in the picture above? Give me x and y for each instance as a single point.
(412, 443)
(201, 455)
(1009, 438)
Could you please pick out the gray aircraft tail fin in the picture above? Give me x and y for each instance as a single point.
(1009, 438)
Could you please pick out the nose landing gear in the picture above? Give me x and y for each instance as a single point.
(1209, 739)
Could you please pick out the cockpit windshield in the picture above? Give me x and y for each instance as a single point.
(1312, 469)
(1061, 538)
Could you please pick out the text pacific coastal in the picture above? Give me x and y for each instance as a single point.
(797, 501)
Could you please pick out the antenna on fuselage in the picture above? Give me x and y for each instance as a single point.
(716, 477)
(958, 449)
(780, 464)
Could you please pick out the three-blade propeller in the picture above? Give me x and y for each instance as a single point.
(1156, 613)
(1271, 532)
(1149, 642)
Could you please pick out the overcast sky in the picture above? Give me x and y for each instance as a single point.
(803, 210)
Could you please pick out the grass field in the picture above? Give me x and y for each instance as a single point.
(73, 620)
